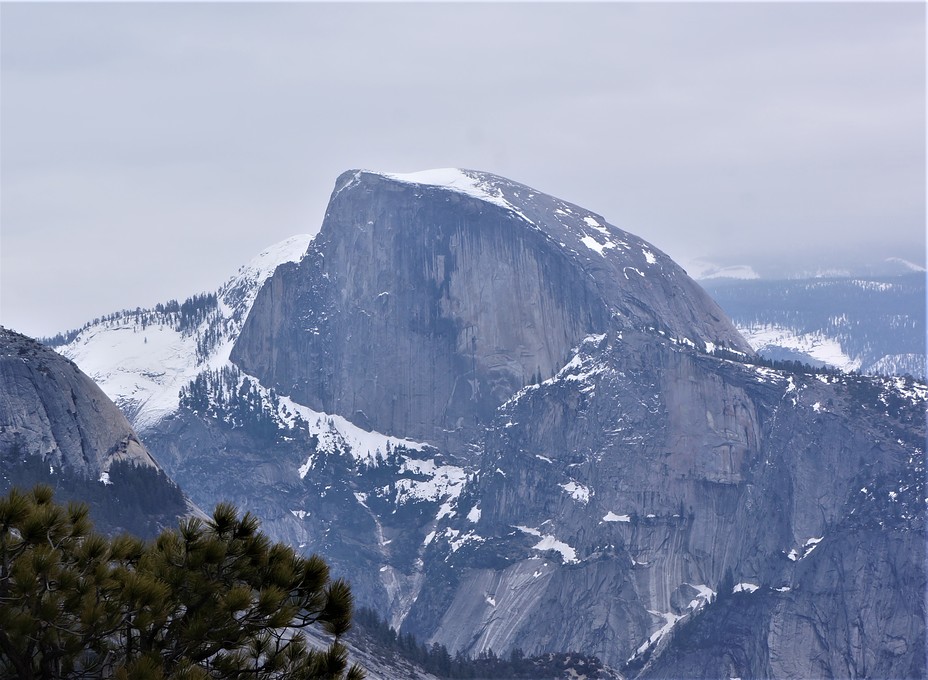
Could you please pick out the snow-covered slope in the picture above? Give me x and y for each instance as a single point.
(767, 339)
(141, 359)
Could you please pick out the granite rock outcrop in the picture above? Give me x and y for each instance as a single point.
(57, 427)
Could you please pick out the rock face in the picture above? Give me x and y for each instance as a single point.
(512, 425)
(428, 300)
(59, 428)
(852, 610)
(365, 501)
(613, 498)
(610, 501)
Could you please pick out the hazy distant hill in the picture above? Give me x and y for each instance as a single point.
(875, 325)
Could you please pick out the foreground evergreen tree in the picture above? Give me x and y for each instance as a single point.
(213, 599)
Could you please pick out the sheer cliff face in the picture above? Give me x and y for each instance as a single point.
(613, 497)
(427, 301)
(57, 427)
(853, 608)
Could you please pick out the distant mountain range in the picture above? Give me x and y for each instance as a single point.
(802, 268)
(872, 325)
(516, 427)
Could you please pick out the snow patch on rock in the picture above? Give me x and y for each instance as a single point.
(612, 517)
(745, 587)
(462, 181)
(549, 542)
(577, 491)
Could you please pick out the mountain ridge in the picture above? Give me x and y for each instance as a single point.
(593, 494)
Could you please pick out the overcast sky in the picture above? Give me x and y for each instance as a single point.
(149, 150)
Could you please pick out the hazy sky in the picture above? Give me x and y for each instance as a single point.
(149, 150)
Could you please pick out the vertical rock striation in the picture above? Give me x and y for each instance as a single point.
(428, 300)
(614, 497)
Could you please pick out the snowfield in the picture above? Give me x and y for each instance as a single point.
(816, 345)
(142, 366)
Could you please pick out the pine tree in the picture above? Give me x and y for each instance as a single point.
(211, 599)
